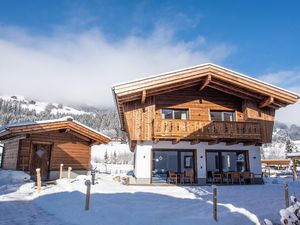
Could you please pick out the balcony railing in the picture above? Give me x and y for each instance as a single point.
(194, 129)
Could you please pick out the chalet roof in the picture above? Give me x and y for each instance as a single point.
(293, 154)
(205, 75)
(65, 123)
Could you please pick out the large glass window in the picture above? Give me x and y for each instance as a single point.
(177, 161)
(163, 161)
(180, 114)
(222, 115)
(226, 161)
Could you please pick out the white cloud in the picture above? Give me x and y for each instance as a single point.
(81, 67)
(289, 79)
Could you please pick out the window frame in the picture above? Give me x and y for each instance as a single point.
(2, 155)
(222, 115)
(173, 113)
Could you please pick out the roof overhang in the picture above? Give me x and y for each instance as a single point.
(206, 75)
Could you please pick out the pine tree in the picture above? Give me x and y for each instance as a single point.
(106, 157)
(115, 157)
(289, 146)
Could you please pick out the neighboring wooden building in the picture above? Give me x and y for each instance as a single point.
(47, 144)
(214, 118)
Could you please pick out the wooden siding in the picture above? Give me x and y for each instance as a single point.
(10, 156)
(198, 102)
(139, 118)
(143, 120)
(264, 116)
(66, 149)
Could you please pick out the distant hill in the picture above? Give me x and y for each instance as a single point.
(15, 109)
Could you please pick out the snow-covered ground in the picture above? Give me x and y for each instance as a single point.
(113, 203)
(98, 151)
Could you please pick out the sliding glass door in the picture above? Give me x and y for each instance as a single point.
(222, 161)
(162, 162)
(177, 161)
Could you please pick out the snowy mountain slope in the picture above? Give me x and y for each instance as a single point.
(278, 148)
(39, 107)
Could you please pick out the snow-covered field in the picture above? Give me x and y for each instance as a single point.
(113, 203)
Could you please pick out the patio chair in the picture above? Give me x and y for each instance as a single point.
(172, 177)
(188, 177)
(236, 176)
(258, 177)
(247, 176)
(216, 176)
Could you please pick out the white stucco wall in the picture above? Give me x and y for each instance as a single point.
(144, 156)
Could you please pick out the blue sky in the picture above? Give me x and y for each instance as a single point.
(264, 33)
(85, 38)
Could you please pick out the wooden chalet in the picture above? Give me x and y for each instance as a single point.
(212, 117)
(47, 144)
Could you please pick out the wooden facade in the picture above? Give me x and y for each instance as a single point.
(200, 90)
(47, 145)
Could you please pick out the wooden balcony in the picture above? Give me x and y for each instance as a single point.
(206, 130)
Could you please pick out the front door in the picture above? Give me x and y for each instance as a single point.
(40, 159)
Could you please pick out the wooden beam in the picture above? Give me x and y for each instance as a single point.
(132, 145)
(205, 82)
(196, 141)
(213, 142)
(177, 140)
(16, 138)
(156, 140)
(268, 101)
(294, 170)
(237, 89)
(233, 142)
(144, 95)
(247, 143)
(78, 135)
(230, 92)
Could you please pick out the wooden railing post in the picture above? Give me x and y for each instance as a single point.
(60, 171)
(286, 195)
(38, 179)
(294, 170)
(88, 194)
(215, 209)
(69, 173)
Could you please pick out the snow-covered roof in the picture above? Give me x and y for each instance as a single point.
(293, 154)
(70, 119)
(296, 142)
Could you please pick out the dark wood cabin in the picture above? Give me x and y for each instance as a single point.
(47, 144)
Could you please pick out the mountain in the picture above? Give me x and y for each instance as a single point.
(15, 109)
(39, 107)
(284, 139)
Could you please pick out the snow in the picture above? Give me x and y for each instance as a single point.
(115, 204)
(41, 106)
(98, 151)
